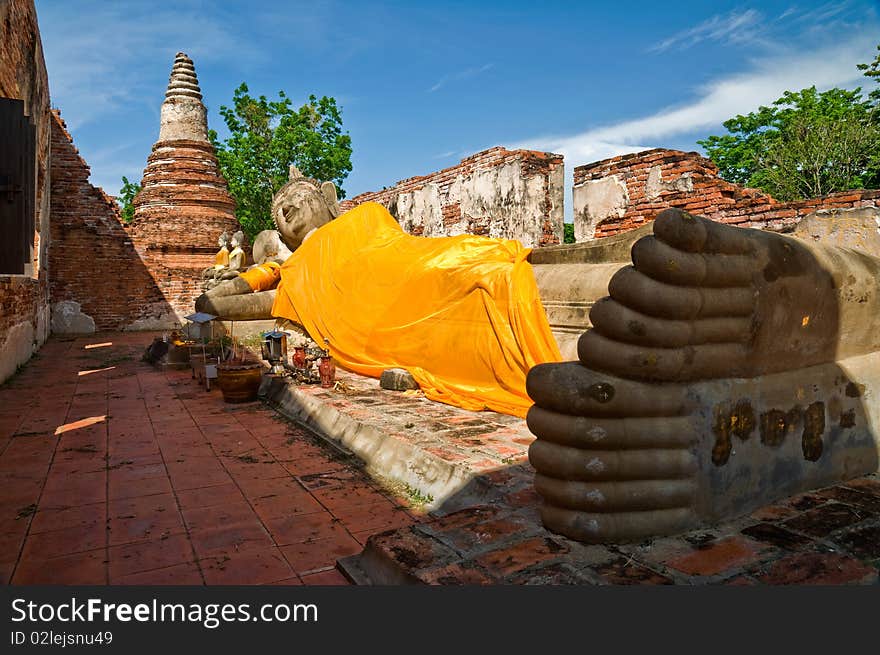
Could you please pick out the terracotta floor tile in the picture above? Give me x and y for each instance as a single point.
(14, 499)
(506, 561)
(182, 480)
(377, 516)
(247, 568)
(269, 507)
(230, 539)
(322, 553)
(256, 489)
(125, 531)
(313, 465)
(817, 569)
(6, 569)
(218, 516)
(46, 520)
(181, 574)
(148, 555)
(69, 464)
(11, 542)
(209, 496)
(66, 541)
(122, 489)
(88, 568)
(63, 492)
(141, 468)
(624, 571)
(331, 577)
(719, 556)
(356, 495)
(295, 581)
(143, 506)
(298, 528)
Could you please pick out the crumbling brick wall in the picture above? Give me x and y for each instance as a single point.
(92, 258)
(24, 299)
(620, 194)
(175, 249)
(513, 194)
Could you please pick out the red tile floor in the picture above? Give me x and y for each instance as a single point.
(112, 471)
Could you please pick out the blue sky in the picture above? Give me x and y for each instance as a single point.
(422, 85)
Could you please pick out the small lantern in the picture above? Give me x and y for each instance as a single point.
(274, 347)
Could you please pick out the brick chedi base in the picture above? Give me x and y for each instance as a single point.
(184, 202)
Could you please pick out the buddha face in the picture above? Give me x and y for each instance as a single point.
(298, 211)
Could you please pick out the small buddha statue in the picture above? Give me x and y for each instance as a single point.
(222, 258)
(227, 265)
(237, 258)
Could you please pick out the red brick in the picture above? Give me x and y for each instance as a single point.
(817, 568)
(718, 557)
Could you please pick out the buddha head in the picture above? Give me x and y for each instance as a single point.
(222, 240)
(302, 206)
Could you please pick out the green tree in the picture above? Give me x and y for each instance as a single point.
(805, 144)
(126, 194)
(266, 137)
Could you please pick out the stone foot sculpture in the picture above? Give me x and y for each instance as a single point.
(727, 368)
(234, 300)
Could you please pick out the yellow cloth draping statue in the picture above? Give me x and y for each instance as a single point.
(462, 314)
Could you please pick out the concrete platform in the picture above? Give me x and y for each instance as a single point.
(436, 451)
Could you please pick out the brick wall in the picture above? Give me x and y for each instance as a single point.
(92, 258)
(619, 194)
(513, 194)
(24, 300)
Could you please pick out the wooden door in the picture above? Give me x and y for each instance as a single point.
(18, 166)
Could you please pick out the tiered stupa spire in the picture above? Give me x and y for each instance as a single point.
(184, 202)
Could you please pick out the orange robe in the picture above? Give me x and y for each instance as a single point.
(462, 314)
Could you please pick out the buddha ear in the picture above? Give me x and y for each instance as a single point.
(328, 190)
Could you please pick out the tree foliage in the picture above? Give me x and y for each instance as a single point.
(126, 194)
(266, 137)
(805, 144)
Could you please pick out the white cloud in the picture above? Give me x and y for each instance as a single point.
(461, 75)
(719, 100)
(102, 56)
(731, 28)
(714, 103)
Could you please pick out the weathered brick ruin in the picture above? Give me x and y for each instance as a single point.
(24, 299)
(92, 260)
(184, 202)
(511, 194)
(620, 194)
(98, 272)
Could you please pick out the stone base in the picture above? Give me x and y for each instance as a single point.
(243, 329)
(696, 454)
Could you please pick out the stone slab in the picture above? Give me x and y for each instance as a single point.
(396, 438)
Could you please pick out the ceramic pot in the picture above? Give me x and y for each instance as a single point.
(299, 356)
(239, 382)
(327, 371)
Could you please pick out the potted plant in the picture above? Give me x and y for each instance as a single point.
(239, 376)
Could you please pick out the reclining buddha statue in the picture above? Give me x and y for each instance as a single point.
(462, 314)
(720, 370)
